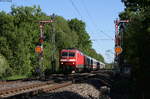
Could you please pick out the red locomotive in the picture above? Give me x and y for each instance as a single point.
(75, 60)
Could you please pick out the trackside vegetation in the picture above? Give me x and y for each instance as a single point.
(137, 44)
(20, 33)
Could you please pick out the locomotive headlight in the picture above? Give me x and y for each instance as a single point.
(62, 63)
(73, 63)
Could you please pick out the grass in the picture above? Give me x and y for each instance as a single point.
(16, 77)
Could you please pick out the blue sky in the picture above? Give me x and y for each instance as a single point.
(99, 16)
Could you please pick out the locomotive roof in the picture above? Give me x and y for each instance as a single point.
(70, 50)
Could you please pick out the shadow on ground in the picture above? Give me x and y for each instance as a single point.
(121, 88)
(62, 95)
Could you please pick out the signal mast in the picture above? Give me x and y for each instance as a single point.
(119, 38)
(39, 48)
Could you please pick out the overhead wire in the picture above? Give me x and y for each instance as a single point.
(100, 39)
(77, 11)
(108, 37)
(75, 7)
(91, 18)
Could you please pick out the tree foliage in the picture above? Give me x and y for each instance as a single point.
(20, 34)
(137, 39)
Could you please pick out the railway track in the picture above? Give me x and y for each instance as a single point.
(32, 87)
(10, 89)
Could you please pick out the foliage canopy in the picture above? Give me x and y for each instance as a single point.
(20, 33)
(137, 43)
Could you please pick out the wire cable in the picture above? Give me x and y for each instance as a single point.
(75, 7)
(100, 39)
(91, 18)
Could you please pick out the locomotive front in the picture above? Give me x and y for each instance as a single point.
(68, 60)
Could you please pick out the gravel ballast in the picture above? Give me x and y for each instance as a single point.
(74, 91)
(90, 88)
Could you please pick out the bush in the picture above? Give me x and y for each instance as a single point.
(4, 67)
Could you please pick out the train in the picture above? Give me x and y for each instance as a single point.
(73, 60)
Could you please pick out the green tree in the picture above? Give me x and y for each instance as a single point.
(20, 34)
(137, 41)
(84, 39)
(4, 67)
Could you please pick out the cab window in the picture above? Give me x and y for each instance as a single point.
(71, 54)
(64, 54)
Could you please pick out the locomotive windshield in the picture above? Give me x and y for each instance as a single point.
(69, 54)
(65, 54)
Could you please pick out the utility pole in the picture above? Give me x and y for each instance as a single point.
(53, 62)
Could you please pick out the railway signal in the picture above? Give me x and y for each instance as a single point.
(38, 49)
(119, 43)
(41, 40)
(119, 35)
(118, 50)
